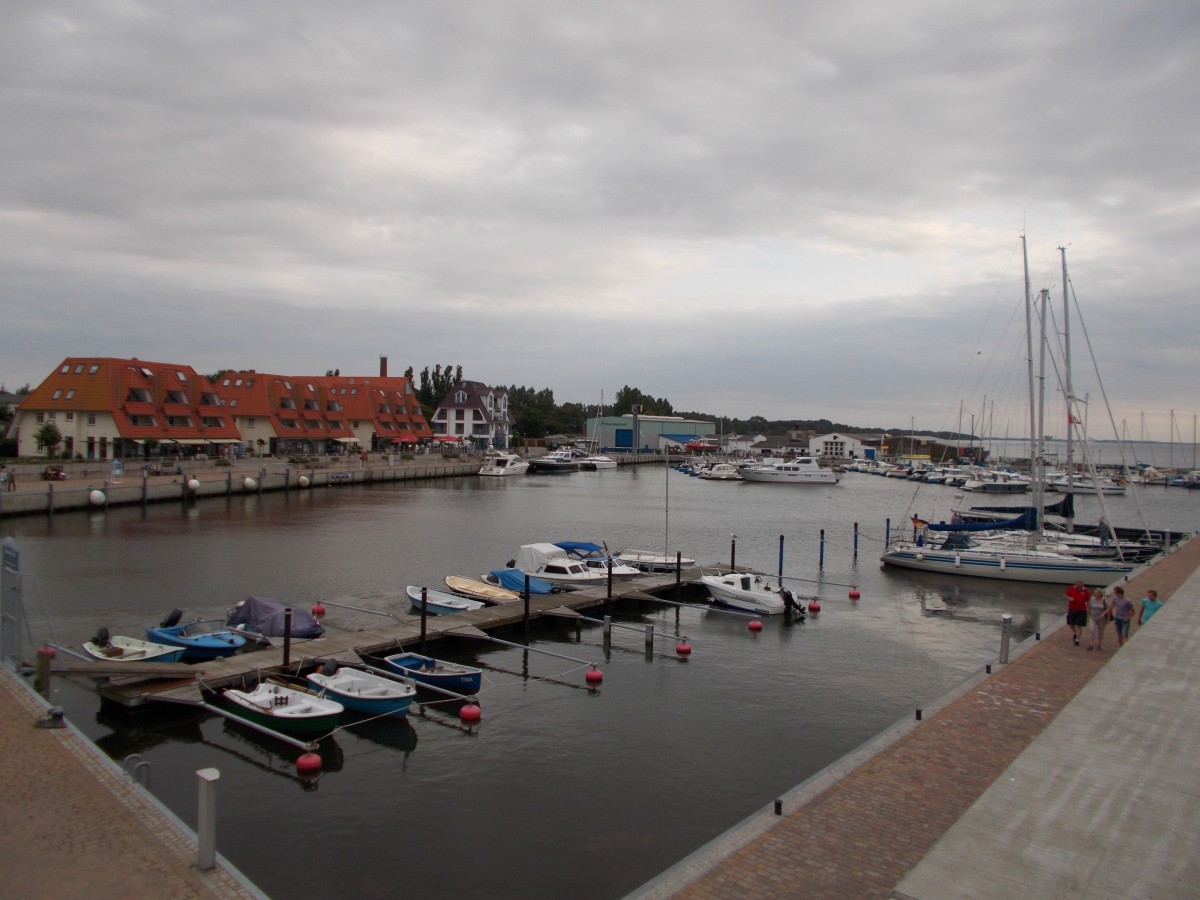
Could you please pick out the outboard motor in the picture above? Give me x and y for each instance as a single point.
(790, 604)
(172, 619)
(101, 638)
(330, 667)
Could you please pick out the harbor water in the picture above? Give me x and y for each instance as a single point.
(560, 790)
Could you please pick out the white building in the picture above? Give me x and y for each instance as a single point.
(476, 413)
(836, 446)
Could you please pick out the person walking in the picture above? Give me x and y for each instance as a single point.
(1150, 605)
(1122, 610)
(12, 480)
(1077, 602)
(1098, 609)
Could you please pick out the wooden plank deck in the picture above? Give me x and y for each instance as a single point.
(381, 641)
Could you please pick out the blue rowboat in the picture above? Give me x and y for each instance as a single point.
(200, 640)
(436, 672)
(363, 692)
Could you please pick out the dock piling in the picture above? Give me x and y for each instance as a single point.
(206, 819)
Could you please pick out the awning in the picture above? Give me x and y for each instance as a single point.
(192, 441)
(136, 440)
(165, 441)
(449, 437)
(225, 441)
(346, 440)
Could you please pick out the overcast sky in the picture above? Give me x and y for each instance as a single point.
(787, 209)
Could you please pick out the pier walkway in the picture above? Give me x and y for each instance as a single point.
(1065, 773)
(72, 825)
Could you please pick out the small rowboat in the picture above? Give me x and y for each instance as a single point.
(363, 692)
(439, 603)
(126, 649)
(436, 672)
(492, 594)
(285, 709)
(199, 640)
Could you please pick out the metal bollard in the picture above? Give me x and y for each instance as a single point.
(206, 820)
(1005, 634)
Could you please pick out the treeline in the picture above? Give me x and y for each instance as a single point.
(536, 414)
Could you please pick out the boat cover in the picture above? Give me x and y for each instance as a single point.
(263, 615)
(514, 580)
(580, 549)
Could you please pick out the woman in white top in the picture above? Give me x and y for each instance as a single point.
(1098, 608)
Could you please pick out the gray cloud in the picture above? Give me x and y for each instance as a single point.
(793, 210)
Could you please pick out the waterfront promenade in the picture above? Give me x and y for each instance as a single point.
(1065, 773)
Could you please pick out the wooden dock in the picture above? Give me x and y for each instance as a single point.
(135, 691)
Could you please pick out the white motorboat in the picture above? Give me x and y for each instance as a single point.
(745, 593)
(116, 648)
(597, 461)
(652, 561)
(549, 562)
(597, 559)
(720, 472)
(801, 470)
(439, 603)
(501, 462)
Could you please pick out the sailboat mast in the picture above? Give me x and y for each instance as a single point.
(1068, 389)
(1039, 480)
(1029, 354)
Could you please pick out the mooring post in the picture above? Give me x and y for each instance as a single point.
(526, 593)
(887, 532)
(287, 635)
(856, 540)
(206, 819)
(41, 677)
(650, 636)
(608, 565)
(732, 552)
(821, 557)
(424, 610)
(145, 485)
(678, 576)
(781, 562)
(1005, 632)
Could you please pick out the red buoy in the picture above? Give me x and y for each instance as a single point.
(594, 676)
(683, 648)
(854, 594)
(470, 712)
(307, 763)
(814, 606)
(755, 625)
(318, 610)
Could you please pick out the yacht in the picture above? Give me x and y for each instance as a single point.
(502, 462)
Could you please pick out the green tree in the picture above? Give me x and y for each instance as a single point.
(48, 437)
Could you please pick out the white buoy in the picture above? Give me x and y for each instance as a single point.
(303, 481)
(250, 483)
(194, 485)
(96, 498)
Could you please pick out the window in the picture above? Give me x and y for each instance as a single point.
(289, 423)
(460, 397)
(250, 422)
(147, 373)
(238, 383)
(213, 422)
(91, 418)
(70, 417)
(314, 424)
(79, 369)
(460, 414)
(177, 397)
(311, 388)
(94, 369)
(333, 406)
(138, 395)
(287, 403)
(387, 426)
(179, 421)
(71, 394)
(41, 417)
(58, 395)
(51, 415)
(180, 375)
(384, 408)
(65, 369)
(209, 399)
(335, 426)
(287, 385)
(233, 402)
(225, 383)
(311, 404)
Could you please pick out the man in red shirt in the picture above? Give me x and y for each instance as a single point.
(1077, 599)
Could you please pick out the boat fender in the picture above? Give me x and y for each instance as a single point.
(101, 638)
(329, 667)
(172, 619)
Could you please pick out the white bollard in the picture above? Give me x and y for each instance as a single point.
(206, 820)
(1005, 633)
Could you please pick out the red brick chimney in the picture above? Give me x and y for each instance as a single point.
(383, 367)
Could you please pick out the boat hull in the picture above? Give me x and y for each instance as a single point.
(364, 692)
(744, 594)
(285, 709)
(436, 672)
(212, 645)
(440, 603)
(1006, 567)
(124, 649)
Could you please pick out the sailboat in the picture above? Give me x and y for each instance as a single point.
(597, 460)
(966, 549)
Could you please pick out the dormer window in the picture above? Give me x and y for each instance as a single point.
(177, 397)
(138, 395)
(460, 397)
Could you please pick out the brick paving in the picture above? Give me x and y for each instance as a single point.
(859, 837)
(72, 826)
